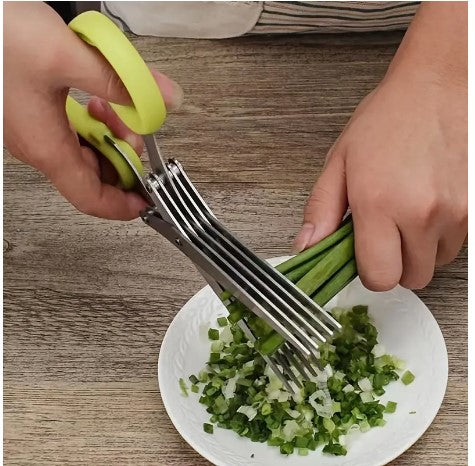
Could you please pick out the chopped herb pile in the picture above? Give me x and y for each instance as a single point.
(241, 393)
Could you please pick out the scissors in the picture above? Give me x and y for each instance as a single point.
(178, 212)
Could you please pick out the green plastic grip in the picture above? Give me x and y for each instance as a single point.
(93, 131)
(148, 111)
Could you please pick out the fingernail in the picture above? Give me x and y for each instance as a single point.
(177, 96)
(303, 238)
(135, 202)
(132, 139)
(104, 105)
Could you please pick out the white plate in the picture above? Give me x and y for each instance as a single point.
(406, 328)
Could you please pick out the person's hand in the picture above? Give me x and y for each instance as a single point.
(401, 166)
(43, 58)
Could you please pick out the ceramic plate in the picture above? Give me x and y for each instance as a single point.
(406, 328)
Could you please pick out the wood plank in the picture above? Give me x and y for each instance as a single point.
(87, 301)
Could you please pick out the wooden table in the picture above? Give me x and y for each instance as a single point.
(87, 301)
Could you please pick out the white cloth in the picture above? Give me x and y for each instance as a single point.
(197, 20)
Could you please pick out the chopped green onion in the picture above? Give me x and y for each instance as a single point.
(287, 448)
(241, 392)
(225, 295)
(329, 425)
(364, 426)
(183, 388)
(208, 428)
(222, 321)
(390, 407)
(366, 397)
(335, 449)
(213, 334)
(407, 378)
(217, 346)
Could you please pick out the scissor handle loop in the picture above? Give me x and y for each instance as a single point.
(148, 111)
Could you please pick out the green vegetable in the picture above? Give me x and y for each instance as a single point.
(270, 344)
(336, 283)
(407, 378)
(313, 251)
(335, 449)
(241, 393)
(390, 407)
(225, 295)
(297, 273)
(213, 334)
(195, 388)
(328, 266)
(183, 388)
(222, 321)
(208, 428)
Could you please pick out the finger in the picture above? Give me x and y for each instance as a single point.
(326, 205)
(419, 250)
(449, 247)
(102, 111)
(78, 180)
(171, 91)
(75, 172)
(377, 250)
(107, 172)
(88, 70)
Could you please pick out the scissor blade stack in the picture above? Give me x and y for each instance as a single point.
(218, 254)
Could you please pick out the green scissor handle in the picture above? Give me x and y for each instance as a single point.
(148, 111)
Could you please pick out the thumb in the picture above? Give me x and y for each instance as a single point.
(83, 67)
(326, 205)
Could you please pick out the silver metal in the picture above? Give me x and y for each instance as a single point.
(180, 214)
(141, 188)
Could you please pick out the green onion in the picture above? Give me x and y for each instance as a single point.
(225, 295)
(313, 251)
(208, 428)
(270, 344)
(335, 449)
(296, 274)
(183, 388)
(336, 283)
(328, 266)
(329, 425)
(222, 321)
(217, 346)
(241, 393)
(287, 449)
(213, 334)
(390, 407)
(407, 378)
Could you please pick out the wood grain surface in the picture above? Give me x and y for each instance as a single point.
(87, 301)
